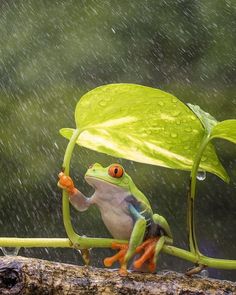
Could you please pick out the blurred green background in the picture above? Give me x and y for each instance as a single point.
(52, 52)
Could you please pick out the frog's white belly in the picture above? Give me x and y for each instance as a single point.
(118, 222)
(111, 200)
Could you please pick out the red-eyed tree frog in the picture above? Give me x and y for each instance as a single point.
(125, 211)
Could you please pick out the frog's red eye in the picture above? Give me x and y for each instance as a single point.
(116, 171)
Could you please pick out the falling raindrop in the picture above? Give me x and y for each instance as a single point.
(201, 175)
(204, 273)
(10, 251)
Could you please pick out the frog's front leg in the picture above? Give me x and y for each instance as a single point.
(77, 199)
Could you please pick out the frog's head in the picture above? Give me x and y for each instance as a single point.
(114, 174)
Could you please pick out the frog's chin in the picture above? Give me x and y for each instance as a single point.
(100, 184)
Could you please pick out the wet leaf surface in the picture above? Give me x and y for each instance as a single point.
(143, 124)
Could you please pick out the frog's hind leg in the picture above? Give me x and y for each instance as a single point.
(128, 250)
(158, 247)
(163, 224)
(166, 238)
(160, 234)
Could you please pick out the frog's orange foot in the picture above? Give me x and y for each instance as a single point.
(109, 261)
(148, 247)
(66, 182)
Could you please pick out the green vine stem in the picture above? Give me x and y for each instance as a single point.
(35, 242)
(201, 259)
(191, 196)
(72, 235)
(106, 243)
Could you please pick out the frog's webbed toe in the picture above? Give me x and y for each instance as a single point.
(148, 249)
(151, 249)
(118, 257)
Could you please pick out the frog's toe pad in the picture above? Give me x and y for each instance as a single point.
(108, 261)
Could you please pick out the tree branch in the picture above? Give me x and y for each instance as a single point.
(20, 275)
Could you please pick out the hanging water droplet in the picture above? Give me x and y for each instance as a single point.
(204, 273)
(201, 175)
(10, 251)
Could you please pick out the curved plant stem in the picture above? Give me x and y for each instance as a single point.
(191, 196)
(76, 240)
(72, 235)
(106, 243)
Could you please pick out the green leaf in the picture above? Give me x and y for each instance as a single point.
(226, 130)
(207, 120)
(142, 124)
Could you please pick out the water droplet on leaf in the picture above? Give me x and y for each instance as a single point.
(178, 122)
(188, 129)
(204, 158)
(174, 135)
(201, 175)
(174, 100)
(102, 103)
(176, 113)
